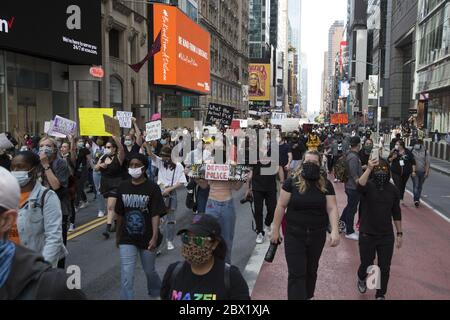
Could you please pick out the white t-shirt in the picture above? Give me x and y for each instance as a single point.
(198, 156)
(165, 175)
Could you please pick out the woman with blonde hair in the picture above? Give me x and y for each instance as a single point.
(309, 202)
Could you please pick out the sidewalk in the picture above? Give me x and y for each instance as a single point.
(419, 270)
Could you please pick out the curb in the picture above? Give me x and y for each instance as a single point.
(440, 169)
(254, 264)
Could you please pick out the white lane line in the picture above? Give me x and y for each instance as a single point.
(255, 263)
(443, 216)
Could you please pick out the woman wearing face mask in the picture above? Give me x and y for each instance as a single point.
(39, 223)
(132, 142)
(55, 176)
(68, 153)
(110, 166)
(380, 205)
(139, 205)
(82, 165)
(170, 178)
(365, 152)
(422, 159)
(203, 275)
(98, 150)
(403, 165)
(311, 206)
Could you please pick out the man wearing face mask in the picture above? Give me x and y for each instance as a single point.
(422, 159)
(380, 205)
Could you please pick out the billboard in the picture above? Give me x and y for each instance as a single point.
(184, 59)
(63, 30)
(339, 118)
(259, 82)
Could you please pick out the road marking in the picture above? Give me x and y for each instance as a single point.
(443, 216)
(87, 227)
(84, 226)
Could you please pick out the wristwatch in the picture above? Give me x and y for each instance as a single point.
(47, 168)
(399, 234)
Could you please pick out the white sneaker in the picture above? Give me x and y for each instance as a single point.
(101, 214)
(335, 180)
(170, 245)
(72, 227)
(267, 230)
(260, 238)
(83, 205)
(353, 236)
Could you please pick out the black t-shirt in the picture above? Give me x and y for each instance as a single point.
(134, 149)
(263, 182)
(378, 208)
(114, 169)
(298, 149)
(308, 210)
(407, 160)
(137, 205)
(81, 164)
(284, 157)
(211, 286)
(364, 157)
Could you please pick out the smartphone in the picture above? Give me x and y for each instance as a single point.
(375, 155)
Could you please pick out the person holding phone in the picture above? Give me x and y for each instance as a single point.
(366, 153)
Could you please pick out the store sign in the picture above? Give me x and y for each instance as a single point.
(59, 30)
(184, 59)
(97, 72)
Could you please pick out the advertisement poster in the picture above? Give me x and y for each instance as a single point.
(259, 82)
(92, 122)
(373, 87)
(339, 118)
(184, 59)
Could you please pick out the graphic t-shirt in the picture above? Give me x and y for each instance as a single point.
(137, 205)
(211, 286)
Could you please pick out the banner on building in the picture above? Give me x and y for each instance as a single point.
(344, 89)
(153, 130)
(219, 115)
(339, 118)
(259, 82)
(112, 125)
(92, 123)
(125, 118)
(373, 87)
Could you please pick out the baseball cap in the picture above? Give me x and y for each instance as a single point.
(204, 226)
(9, 190)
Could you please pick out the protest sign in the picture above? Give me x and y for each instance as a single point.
(48, 129)
(112, 125)
(153, 130)
(92, 122)
(217, 172)
(5, 144)
(278, 118)
(64, 126)
(124, 119)
(219, 114)
(290, 124)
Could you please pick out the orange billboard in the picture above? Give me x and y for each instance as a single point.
(184, 59)
(339, 118)
(259, 82)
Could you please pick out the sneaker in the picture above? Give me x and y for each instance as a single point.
(106, 235)
(402, 203)
(362, 286)
(72, 227)
(335, 180)
(353, 236)
(380, 298)
(83, 204)
(170, 245)
(260, 238)
(101, 214)
(417, 204)
(267, 230)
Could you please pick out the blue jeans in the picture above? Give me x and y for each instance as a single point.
(418, 181)
(348, 215)
(202, 199)
(128, 257)
(225, 214)
(97, 176)
(169, 220)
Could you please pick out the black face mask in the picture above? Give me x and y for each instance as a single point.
(381, 179)
(311, 171)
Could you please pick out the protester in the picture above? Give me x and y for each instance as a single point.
(403, 165)
(285, 156)
(24, 274)
(139, 206)
(68, 154)
(436, 136)
(313, 141)
(110, 166)
(422, 160)
(298, 150)
(395, 140)
(354, 172)
(380, 205)
(365, 152)
(98, 150)
(328, 146)
(133, 141)
(82, 165)
(310, 201)
(203, 275)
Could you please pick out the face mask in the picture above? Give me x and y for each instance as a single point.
(107, 151)
(381, 179)
(329, 136)
(163, 141)
(47, 150)
(135, 173)
(397, 147)
(196, 255)
(128, 143)
(80, 145)
(24, 149)
(368, 149)
(417, 146)
(22, 177)
(311, 171)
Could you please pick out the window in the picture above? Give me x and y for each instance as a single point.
(116, 93)
(114, 43)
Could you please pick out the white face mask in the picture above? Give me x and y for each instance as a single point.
(107, 151)
(22, 177)
(135, 173)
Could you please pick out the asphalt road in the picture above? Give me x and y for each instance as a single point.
(99, 259)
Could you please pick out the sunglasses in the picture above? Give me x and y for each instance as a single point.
(197, 240)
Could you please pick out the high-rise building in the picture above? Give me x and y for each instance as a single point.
(282, 49)
(324, 100)
(304, 84)
(335, 35)
(259, 24)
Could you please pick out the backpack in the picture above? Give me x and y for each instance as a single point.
(341, 169)
(227, 276)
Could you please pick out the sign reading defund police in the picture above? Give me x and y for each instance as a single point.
(219, 114)
(64, 30)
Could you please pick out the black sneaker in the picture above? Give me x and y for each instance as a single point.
(417, 204)
(106, 235)
(380, 298)
(362, 286)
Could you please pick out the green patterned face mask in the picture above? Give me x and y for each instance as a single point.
(196, 255)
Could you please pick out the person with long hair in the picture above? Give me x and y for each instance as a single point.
(110, 166)
(308, 200)
(203, 275)
(403, 165)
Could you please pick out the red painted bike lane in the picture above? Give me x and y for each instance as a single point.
(420, 269)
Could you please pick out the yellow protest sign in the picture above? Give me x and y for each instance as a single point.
(92, 122)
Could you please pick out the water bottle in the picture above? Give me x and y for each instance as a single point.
(270, 255)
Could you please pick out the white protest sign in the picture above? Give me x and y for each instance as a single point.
(124, 118)
(217, 172)
(153, 130)
(278, 118)
(290, 124)
(48, 129)
(4, 142)
(64, 126)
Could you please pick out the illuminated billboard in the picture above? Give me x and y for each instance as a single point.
(184, 59)
(259, 82)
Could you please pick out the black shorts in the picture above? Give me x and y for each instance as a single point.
(109, 186)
